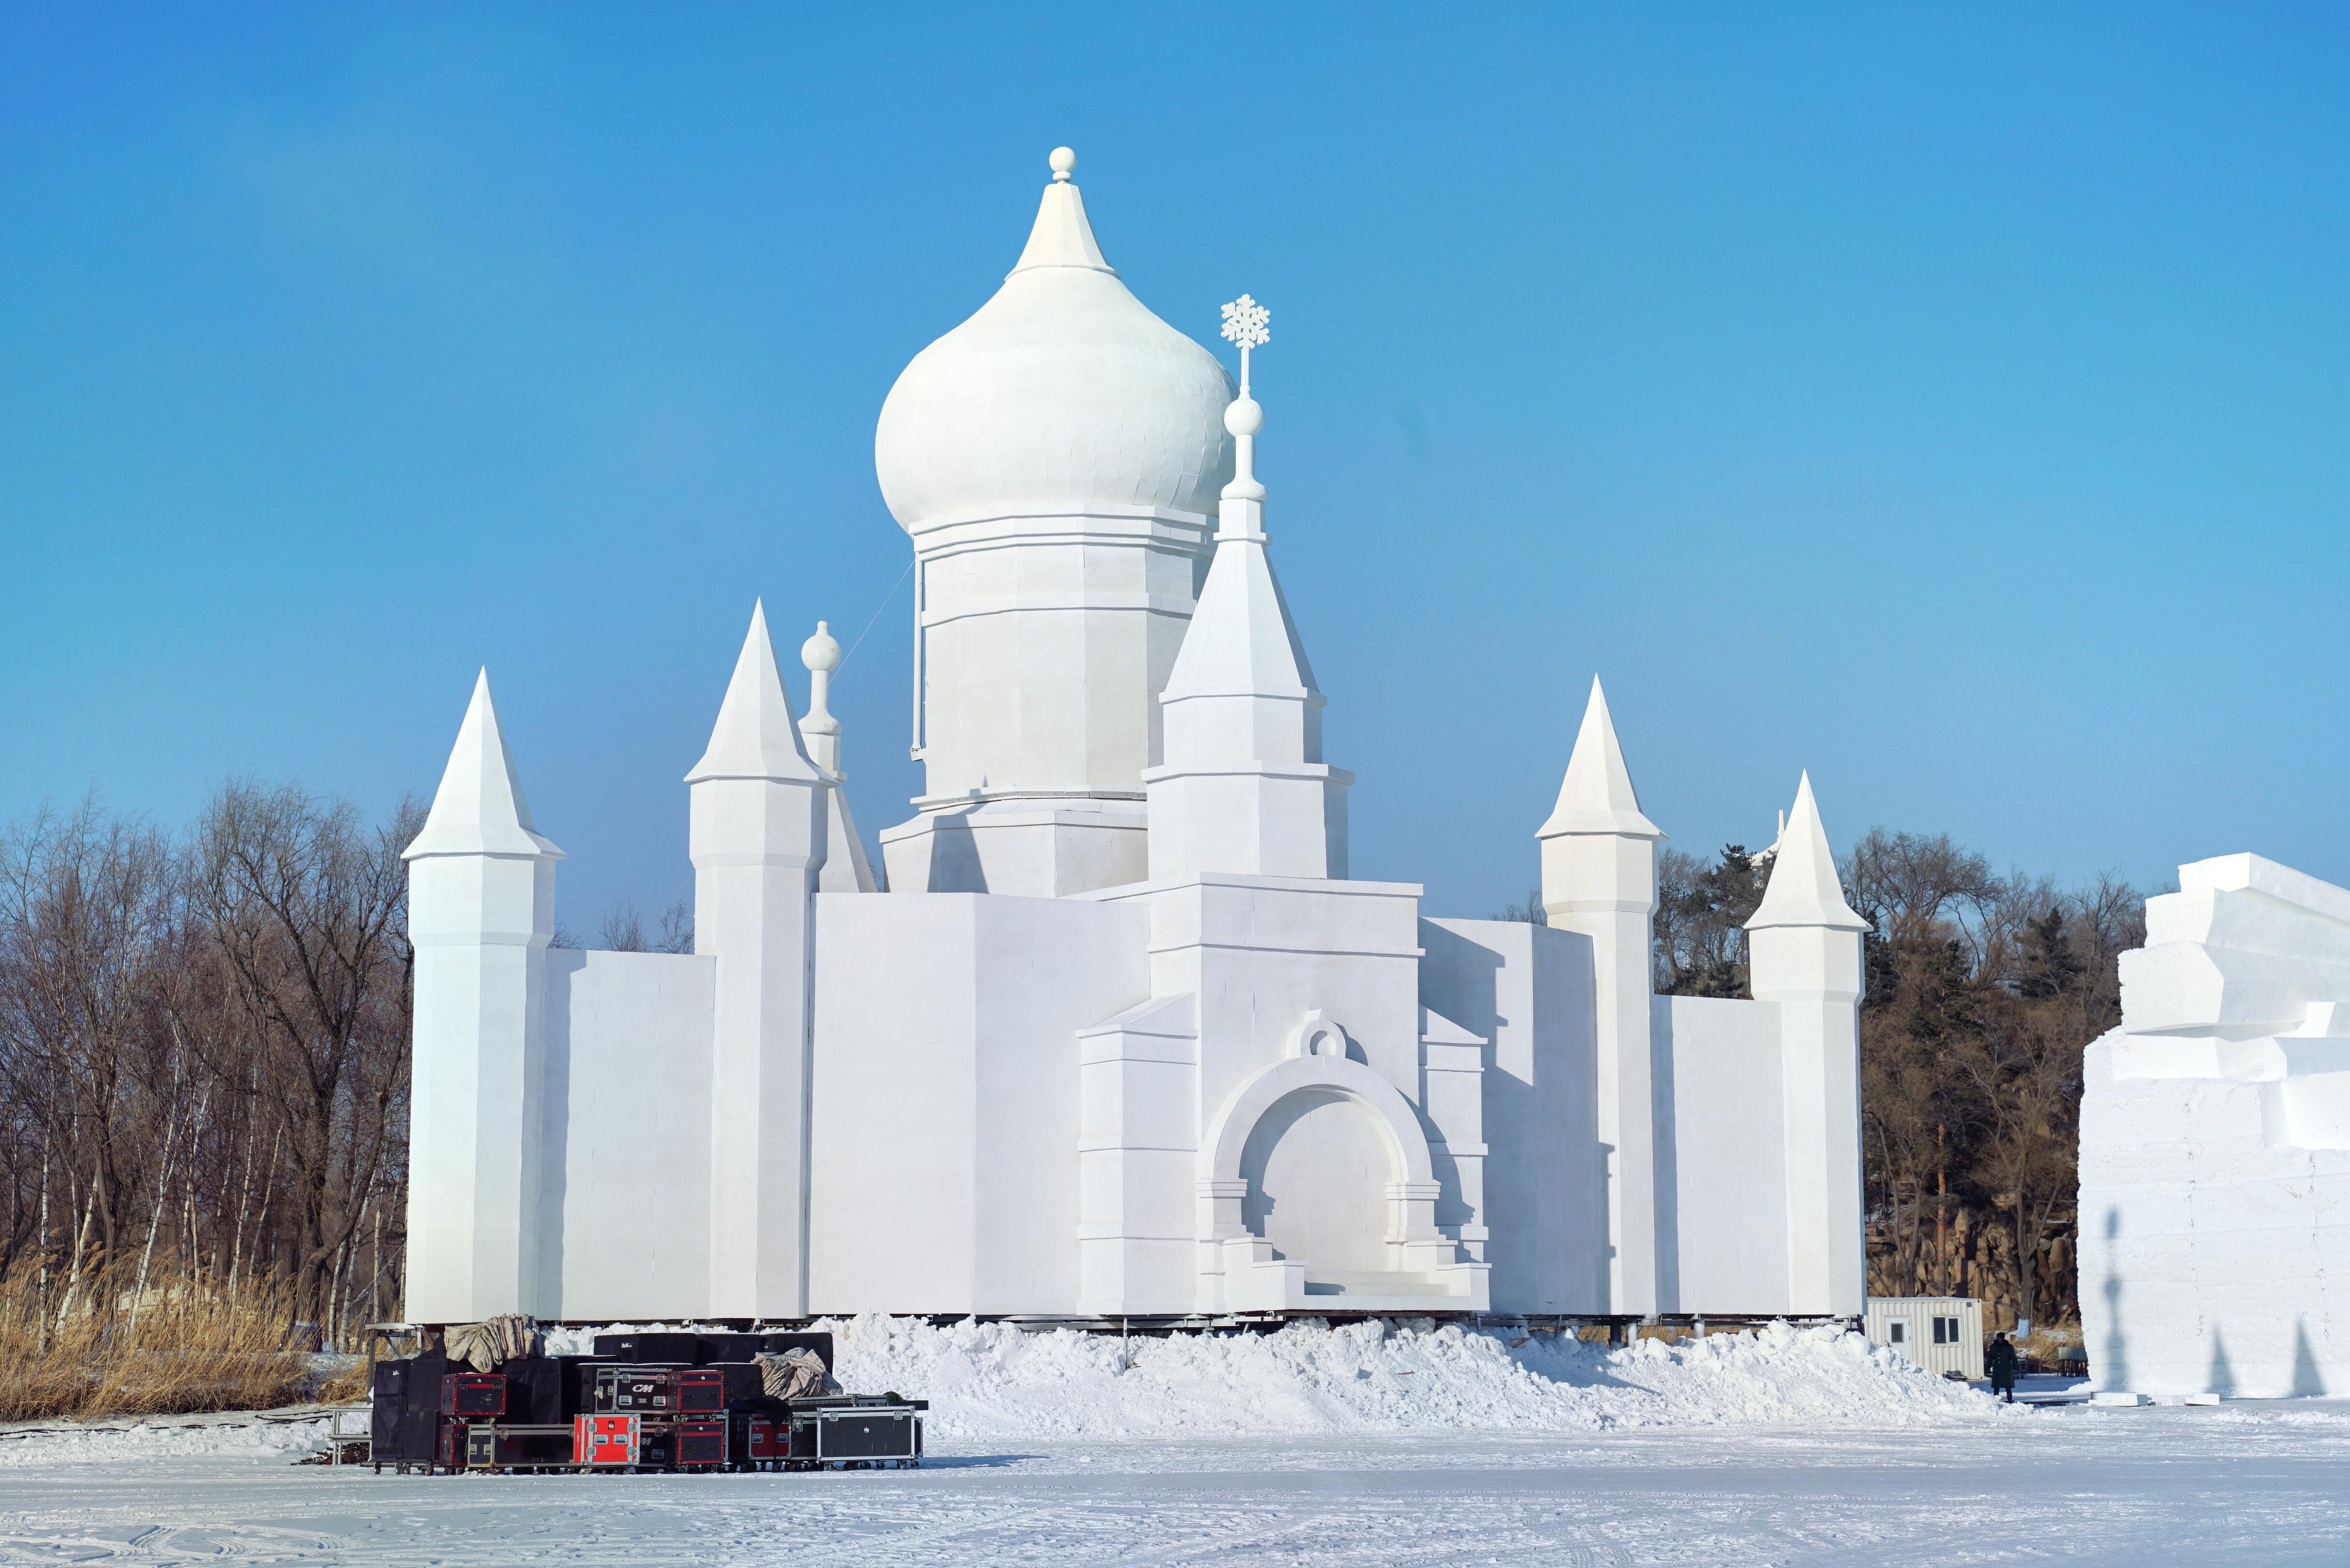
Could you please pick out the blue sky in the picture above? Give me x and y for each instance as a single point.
(1954, 403)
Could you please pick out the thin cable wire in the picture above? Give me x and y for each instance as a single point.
(877, 612)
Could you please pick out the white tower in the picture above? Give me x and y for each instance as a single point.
(1805, 955)
(481, 910)
(757, 830)
(1244, 788)
(1599, 877)
(1055, 459)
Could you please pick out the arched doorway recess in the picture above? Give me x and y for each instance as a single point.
(1318, 1166)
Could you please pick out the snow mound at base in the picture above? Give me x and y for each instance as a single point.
(164, 1437)
(993, 1380)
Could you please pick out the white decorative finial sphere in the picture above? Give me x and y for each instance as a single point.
(1064, 160)
(821, 651)
(1245, 416)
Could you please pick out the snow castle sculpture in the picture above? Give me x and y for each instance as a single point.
(2215, 1143)
(1121, 1038)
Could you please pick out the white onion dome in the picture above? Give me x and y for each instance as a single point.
(1063, 392)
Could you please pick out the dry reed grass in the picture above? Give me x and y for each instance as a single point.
(81, 1350)
(2046, 1339)
(352, 1383)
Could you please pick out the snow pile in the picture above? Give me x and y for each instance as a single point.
(162, 1437)
(993, 1380)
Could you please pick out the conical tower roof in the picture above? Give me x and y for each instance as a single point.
(1804, 890)
(479, 808)
(1597, 796)
(755, 737)
(1242, 642)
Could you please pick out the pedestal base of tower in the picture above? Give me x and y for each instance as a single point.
(1042, 847)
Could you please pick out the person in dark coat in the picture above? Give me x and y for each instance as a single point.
(2001, 1359)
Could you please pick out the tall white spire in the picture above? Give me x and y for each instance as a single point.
(1243, 787)
(755, 737)
(1804, 890)
(481, 913)
(1804, 955)
(1599, 880)
(758, 828)
(1597, 796)
(479, 808)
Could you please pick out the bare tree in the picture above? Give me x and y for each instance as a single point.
(86, 911)
(624, 930)
(1701, 926)
(308, 908)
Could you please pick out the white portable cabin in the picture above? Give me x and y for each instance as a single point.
(1940, 1334)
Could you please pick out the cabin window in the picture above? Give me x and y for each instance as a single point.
(1946, 1331)
(1893, 1334)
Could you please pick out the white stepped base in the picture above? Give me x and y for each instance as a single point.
(1256, 1279)
(1383, 1292)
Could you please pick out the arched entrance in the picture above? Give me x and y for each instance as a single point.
(1318, 1166)
(1319, 1157)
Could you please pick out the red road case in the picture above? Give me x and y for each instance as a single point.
(605, 1439)
(700, 1445)
(701, 1393)
(473, 1394)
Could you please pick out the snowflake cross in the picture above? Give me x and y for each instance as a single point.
(1244, 324)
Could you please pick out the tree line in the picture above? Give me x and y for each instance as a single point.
(1982, 991)
(204, 1048)
(205, 1052)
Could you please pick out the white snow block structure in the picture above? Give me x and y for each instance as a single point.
(1124, 1036)
(2214, 1144)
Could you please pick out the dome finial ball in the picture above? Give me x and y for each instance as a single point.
(822, 651)
(1064, 160)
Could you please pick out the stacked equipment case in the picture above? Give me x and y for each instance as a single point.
(642, 1402)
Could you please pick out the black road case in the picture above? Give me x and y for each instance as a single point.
(864, 1432)
(635, 1390)
(419, 1413)
(651, 1349)
(534, 1390)
(499, 1446)
(388, 1407)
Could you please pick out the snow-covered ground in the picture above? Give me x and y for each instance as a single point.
(1355, 1445)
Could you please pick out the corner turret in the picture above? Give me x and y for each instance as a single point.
(1806, 956)
(1599, 878)
(481, 911)
(758, 832)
